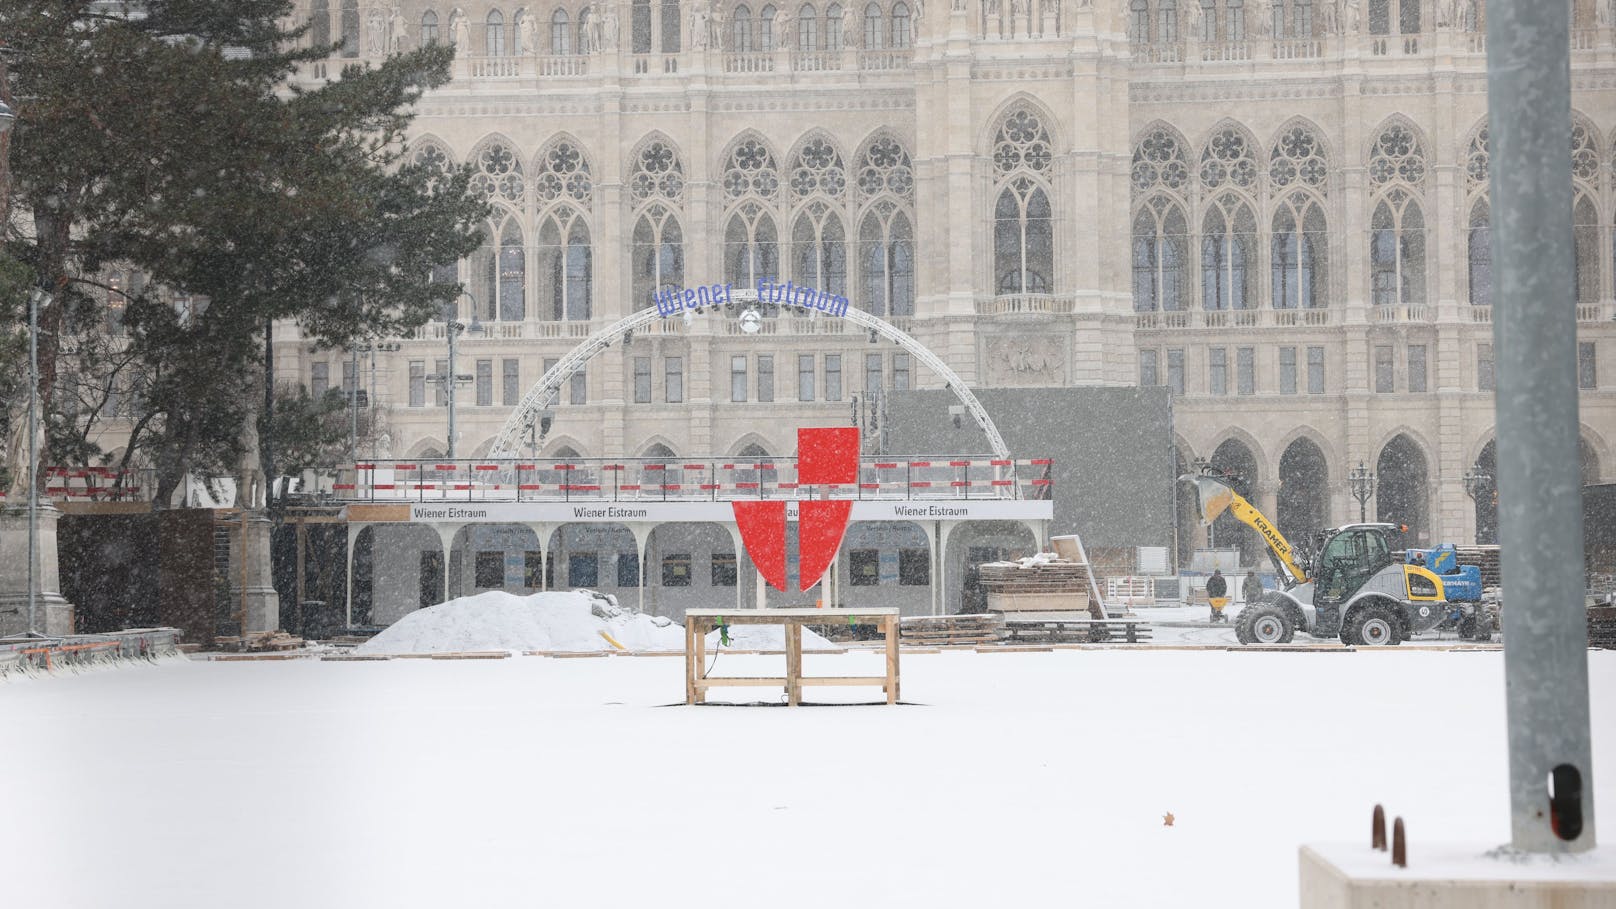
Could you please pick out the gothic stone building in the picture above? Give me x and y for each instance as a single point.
(1278, 208)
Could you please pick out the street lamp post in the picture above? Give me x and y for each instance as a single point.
(1362, 481)
(451, 379)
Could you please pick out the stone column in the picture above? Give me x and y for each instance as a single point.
(253, 582)
(53, 615)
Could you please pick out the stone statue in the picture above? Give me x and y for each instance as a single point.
(1602, 13)
(375, 34)
(588, 32)
(1351, 16)
(398, 30)
(783, 30)
(609, 26)
(1447, 13)
(701, 26)
(851, 35)
(1018, 8)
(1330, 17)
(1192, 19)
(1261, 19)
(460, 30)
(527, 31)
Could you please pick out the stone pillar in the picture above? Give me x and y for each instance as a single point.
(53, 615)
(253, 582)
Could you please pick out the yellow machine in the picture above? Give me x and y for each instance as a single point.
(1352, 588)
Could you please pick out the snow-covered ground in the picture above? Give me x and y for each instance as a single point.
(1014, 779)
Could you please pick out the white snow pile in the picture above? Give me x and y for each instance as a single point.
(555, 620)
(1032, 561)
(767, 637)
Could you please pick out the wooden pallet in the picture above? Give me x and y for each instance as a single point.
(951, 630)
(262, 642)
(1076, 628)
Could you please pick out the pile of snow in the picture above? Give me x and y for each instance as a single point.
(1032, 561)
(768, 637)
(572, 620)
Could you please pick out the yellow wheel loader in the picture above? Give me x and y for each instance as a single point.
(1351, 588)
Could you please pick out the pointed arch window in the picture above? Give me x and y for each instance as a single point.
(819, 249)
(1481, 255)
(807, 29)
(1297, 159)
(1397, 250)
(740, 28)
(1023, 244)
(350, 28)
(1209, 20)
(1234, 15)
(494, 34)
(902, 34)
(1585, 249)
(1302, 18)
(751, 246)
(499, 173)
(1228, 249)
(1300, 254)
(874, 32)
(833, 27)
(498, 271)
(658, 255)
(320, 22)
(560, 33)
(765, 32)
(887, 261)
(1160, 240)
(1167, 21)
(640, 27)
(429, 27)
(670, 26)
(566, 266)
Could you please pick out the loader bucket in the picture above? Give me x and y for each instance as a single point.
(1212, 497)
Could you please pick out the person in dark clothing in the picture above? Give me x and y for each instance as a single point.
(1251, 588)
(1217, 594)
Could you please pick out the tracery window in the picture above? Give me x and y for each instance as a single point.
(1397, 227)
(819, 248)
(1158, 161)
(1584, 155)
(902, 34)
(1234, 15)
(1167, 21)
(1397, 249)
(886, 168)
(435, 161)
(874, 35)
(1476, 161)
(640, 26)
(741, 31)
(350, 28)
(1480, 255)
(1139, 20)
(818, 168)
(1160, 241)
(1228, 252)
(564, 186)
(498, 270)
(765, 32)
(494, 34)
(1209, 21)
(1227, 161)
(657, 183)
(833, 27)
(1023, 232)
(499, 173)
(1297, 159)
(887, 261)
(751, 245)
(320, 22)
(1299, 253)
(751, 170)
(670, 26)
(429, 27)
(1382, 13)
(560, 33)
(807, 29)
(1585, 248)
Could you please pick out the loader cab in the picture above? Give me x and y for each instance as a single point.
(1349, 558)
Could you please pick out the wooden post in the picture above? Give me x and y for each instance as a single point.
(793, 662)
(690, 661)
(892, 658)
(699, 648)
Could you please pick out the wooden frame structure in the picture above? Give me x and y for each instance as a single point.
(700, 621)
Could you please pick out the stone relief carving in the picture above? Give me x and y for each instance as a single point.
(1023, 361)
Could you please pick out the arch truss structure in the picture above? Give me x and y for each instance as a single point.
(547, 390)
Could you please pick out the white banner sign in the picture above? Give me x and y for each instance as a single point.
(720, 512)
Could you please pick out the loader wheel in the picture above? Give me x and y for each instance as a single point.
(1265, 623)
(1475, 628)
(1375, 625)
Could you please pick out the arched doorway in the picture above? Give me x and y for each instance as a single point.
(1234, 460)
(690, 564)
(886, 563)
(1486, 495)
(1304, 491)
(1402, 489)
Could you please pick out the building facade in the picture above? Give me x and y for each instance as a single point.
(1278, 208)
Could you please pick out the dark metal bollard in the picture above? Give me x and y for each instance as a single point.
(1377, 830)
(1399, 845)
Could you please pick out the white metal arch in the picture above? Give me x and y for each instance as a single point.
(548, 388)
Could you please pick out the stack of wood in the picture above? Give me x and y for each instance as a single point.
(1038, 584)
(1484, 557)
(951, 630)
(1602, 627)
(260, 642)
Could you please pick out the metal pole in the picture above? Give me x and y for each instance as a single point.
(353, 410)
(449, 382)
(33, 457)
(1534, 335)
